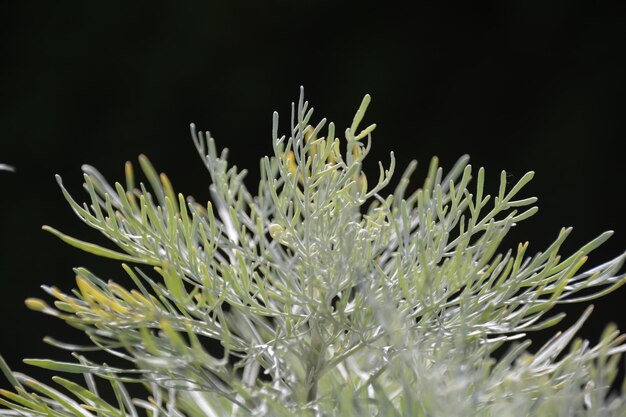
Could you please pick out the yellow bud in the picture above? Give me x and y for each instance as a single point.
(140, 298)
(275, 230)
(130, 176)
(85, 288)
(167, 187)
(292, 167)
(362, 184)
(5, 392)
(58, 294)
(121, 292)
(95, 295)
(36, 304)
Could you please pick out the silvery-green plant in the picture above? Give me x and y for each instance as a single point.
(328, 296)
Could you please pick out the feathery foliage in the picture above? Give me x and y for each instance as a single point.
(327, 296)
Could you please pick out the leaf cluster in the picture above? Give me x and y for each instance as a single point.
(325, 295)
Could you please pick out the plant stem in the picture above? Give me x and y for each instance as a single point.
(314, 365)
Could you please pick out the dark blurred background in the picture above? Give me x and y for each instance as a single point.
(518, 85)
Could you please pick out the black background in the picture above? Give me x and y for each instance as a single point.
(518, 85)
